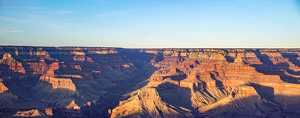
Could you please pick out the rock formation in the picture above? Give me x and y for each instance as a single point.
(10, 64)
(117, 82)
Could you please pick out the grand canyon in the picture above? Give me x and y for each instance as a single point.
(102, 82)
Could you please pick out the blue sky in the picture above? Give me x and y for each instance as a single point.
(151, 23)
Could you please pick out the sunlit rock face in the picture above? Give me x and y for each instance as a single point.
(115, 82)
(10, 64)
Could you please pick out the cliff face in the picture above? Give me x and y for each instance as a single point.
(116, 82)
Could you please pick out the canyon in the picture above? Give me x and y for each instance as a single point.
(91, 82)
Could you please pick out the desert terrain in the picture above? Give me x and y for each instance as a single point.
(101, 82)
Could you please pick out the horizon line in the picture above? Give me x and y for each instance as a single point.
(159, 47)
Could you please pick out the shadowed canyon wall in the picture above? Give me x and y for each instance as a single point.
(117, 82)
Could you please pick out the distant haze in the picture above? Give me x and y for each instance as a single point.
(151, 23)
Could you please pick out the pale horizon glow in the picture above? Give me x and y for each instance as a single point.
(151, 23)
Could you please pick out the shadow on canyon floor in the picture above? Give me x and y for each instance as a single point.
(176, 96)
(214, 75)
(292, 58)
(269, 68)
(141, 71)
(265, 92)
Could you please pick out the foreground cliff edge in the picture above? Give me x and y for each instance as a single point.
(118, 82)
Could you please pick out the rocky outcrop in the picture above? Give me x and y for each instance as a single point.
(9, 64)
(3, 88)
(148, 103)
(47, 113)
(55, 83)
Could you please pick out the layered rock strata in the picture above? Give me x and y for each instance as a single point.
(117, 82)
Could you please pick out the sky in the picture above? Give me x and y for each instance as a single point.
(151, 23)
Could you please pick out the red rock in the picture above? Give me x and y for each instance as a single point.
(57, 82)
(3, 88)
(14, 65)
(207, 82)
